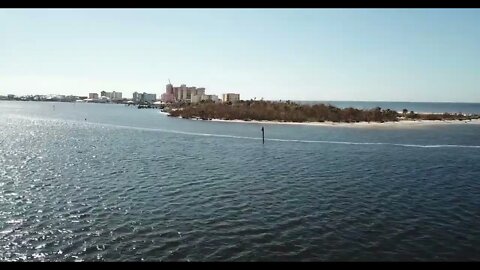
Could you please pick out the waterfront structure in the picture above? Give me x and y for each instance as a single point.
(61, 98)
(230, 97)
(136, 97)
(112, 95)
(93, 95)
(116, 95)
(149, 97)
(144, 97)
(41, 97)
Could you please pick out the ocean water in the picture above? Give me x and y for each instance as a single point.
(419, 107)
(87, 182)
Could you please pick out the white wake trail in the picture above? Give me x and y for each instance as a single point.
(266, 139)
(293, 140)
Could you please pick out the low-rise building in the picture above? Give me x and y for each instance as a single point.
(149, 97)
(93, 95)
(231, 97)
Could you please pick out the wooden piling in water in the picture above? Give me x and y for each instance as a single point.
(263, 135)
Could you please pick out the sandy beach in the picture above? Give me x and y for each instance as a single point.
(401, 123)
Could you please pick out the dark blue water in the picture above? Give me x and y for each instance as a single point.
(129, 184)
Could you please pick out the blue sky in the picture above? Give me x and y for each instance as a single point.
(297, 54)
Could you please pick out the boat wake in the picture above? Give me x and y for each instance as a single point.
(259, 138)
(292, 140)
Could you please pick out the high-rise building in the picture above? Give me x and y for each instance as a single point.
(111, 95)
(93, 95)
(169, 89)
(176, 93)
(116, 95)
(149, 97)
(137, 97)
(192, 94)
(182, 93)
(168, 96)
(144, 97)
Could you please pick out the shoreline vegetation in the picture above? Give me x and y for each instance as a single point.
(288, 112)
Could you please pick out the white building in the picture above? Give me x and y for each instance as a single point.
(111, 95)
(231, 97)
(198, 95)
(182, 93)
(199, 91)
(149, 97)
(136, 97)
(213, 98)
(195, 98)
(144, 97)
(116, 95)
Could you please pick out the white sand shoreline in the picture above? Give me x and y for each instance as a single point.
(400, 123)
(359, 124)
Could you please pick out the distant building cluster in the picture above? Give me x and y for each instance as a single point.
(191, 95)
(172, 95)
(104, 97)
(61, 98)
(182, 93)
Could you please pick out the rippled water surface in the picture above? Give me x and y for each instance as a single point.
(129, 184)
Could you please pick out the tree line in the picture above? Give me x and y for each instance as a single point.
(293, 112)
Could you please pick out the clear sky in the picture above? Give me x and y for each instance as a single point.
(297, 54)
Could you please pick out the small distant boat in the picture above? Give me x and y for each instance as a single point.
(145, 106)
